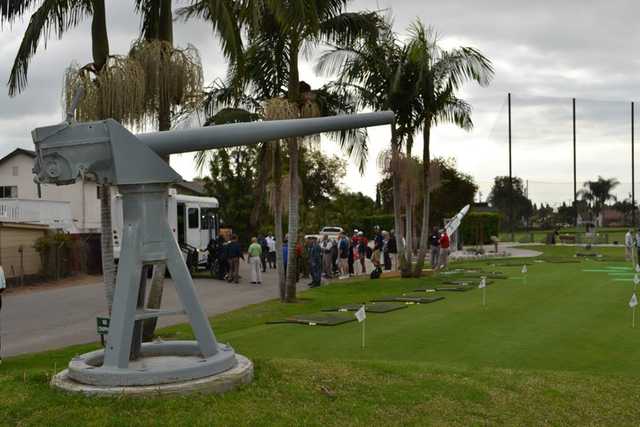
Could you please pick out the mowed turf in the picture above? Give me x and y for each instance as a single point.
(556, 348)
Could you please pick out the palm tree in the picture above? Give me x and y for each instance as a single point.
(287, 28)
(57, 17)
(438, 75)
(597, 193)
(371, 69)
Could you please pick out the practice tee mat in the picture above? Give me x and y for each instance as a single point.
(455, 288)
(476, 276)
(588, 254)
(409, 299)
(317, 319)
(462, 282)
(381, 307)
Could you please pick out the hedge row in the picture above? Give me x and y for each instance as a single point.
(478, 227)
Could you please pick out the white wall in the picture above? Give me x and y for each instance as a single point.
(83, 196)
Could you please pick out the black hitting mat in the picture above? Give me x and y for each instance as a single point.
(409, 299)
(318, 319)
(380, 307)
(463, 282)
(455, 288)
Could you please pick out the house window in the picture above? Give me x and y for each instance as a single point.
(14, 170)
(8, 192)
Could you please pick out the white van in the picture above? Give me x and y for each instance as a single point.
(193, 220)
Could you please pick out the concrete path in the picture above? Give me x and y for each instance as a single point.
(58, 317)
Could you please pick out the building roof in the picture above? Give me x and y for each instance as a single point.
(17, 151)
(195, 188)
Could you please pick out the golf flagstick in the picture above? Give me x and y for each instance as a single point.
(633, 303)
(361, 315)
(483, 286)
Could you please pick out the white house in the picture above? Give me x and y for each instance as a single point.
(75, 208)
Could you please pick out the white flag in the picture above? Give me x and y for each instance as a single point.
(3, 281)
(361, 314)
(633, 301)
(637, 268)
(483, 283)
(636, 279)
(524, 268)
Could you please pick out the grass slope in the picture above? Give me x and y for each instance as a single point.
(556, 349)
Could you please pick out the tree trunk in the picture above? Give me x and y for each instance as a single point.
(397, 212)
(106, 245)
(100, 50)
(426, 202)
(408, 231)
(99, 37)
(277, 182)
(154, 299)
(294, 152)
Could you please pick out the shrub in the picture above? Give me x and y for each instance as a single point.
(478, 227)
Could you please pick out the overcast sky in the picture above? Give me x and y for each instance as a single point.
(544, 52)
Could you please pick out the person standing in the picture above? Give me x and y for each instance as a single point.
(434, 244)
(343, 253)
(628, 246)
(234, 253)
(363, 245)
(393, 250)
(353, 253)
(254, 254)
(327, 256)
(265, 250)
(271, 255)
(444, 250)
(385, 251)
(378, 243)
(315, 263)
(285, 253)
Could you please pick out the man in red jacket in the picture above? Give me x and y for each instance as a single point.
(444, 250)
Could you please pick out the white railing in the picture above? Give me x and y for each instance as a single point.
(51, 213)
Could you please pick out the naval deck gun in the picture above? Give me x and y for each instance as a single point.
(109, 153)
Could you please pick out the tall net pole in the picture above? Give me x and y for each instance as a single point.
(575, 186)
(510, 171)
(633, 169)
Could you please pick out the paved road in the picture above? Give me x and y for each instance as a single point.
(59, 317)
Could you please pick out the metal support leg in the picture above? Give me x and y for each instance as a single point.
(187, 294)
(124, 301)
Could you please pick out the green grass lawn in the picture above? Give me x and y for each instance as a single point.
(556, 348)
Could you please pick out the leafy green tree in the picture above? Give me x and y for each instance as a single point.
(597, 193)
(371, 69)
(438, 75)
(501, 198)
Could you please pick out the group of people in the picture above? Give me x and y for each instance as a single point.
(321, 257)
(439, 244)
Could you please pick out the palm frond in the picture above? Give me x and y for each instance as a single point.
(223, 15)
(55, 16)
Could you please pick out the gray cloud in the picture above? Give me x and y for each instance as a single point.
(544, 52)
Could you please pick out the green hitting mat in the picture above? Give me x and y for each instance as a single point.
(409, 299)
(379, 307)
(476, 276)
(560, 260)
(317, 319)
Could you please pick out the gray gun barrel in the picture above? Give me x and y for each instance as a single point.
(231, 135)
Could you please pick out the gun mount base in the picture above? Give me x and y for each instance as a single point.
(240, 374)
